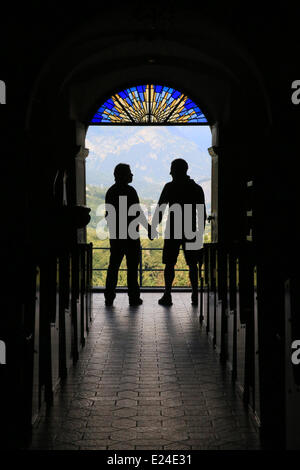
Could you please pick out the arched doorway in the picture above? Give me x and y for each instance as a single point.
(147, 126)
(224, 81)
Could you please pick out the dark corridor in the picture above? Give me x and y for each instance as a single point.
(148, 378)
(219, 387)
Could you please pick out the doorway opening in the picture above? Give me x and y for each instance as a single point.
(146, 127)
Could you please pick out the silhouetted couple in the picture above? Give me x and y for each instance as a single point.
(185, 199)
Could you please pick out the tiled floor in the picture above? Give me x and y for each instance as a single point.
(147, 379)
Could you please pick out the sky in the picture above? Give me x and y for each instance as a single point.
(149, 150)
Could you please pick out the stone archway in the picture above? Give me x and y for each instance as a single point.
(223, 80)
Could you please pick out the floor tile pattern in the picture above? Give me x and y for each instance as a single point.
(148, 378)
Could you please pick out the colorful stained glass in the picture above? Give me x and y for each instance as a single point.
(149, 104)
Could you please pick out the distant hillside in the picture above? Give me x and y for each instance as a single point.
(94, 197)
(149, 152)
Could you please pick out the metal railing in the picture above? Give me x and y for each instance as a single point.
(141, 269)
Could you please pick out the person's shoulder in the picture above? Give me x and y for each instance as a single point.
(168, 185)
(167, 189)
(111, 189)
(131, 189)
(197, 186)
(112, 193)
(197, 190)
(132, 193)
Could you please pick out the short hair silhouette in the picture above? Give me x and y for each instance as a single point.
(179, 166)
(121, 170)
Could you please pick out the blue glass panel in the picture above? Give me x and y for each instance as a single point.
(109, 105)
(132, 105)
(175, 94)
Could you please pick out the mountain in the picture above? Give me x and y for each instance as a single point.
(149, 152)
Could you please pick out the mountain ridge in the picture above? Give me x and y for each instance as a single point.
(149, 151)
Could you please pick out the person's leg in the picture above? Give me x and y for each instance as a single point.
(191, 258)
(116, 256)
(169, 274)
(170, 255)
(193, 274)
(133, 259)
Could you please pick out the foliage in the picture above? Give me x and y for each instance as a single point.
(151, 258)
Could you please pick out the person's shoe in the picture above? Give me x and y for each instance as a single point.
(166, 300)
(109, 299)
(195, 298)
(135, 302)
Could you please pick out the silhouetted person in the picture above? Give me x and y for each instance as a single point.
(182, 190)
(121, 243)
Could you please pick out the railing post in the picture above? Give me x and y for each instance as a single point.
(201, 318)
(141, 267)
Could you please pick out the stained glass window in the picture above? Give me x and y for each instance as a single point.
(149, 104)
